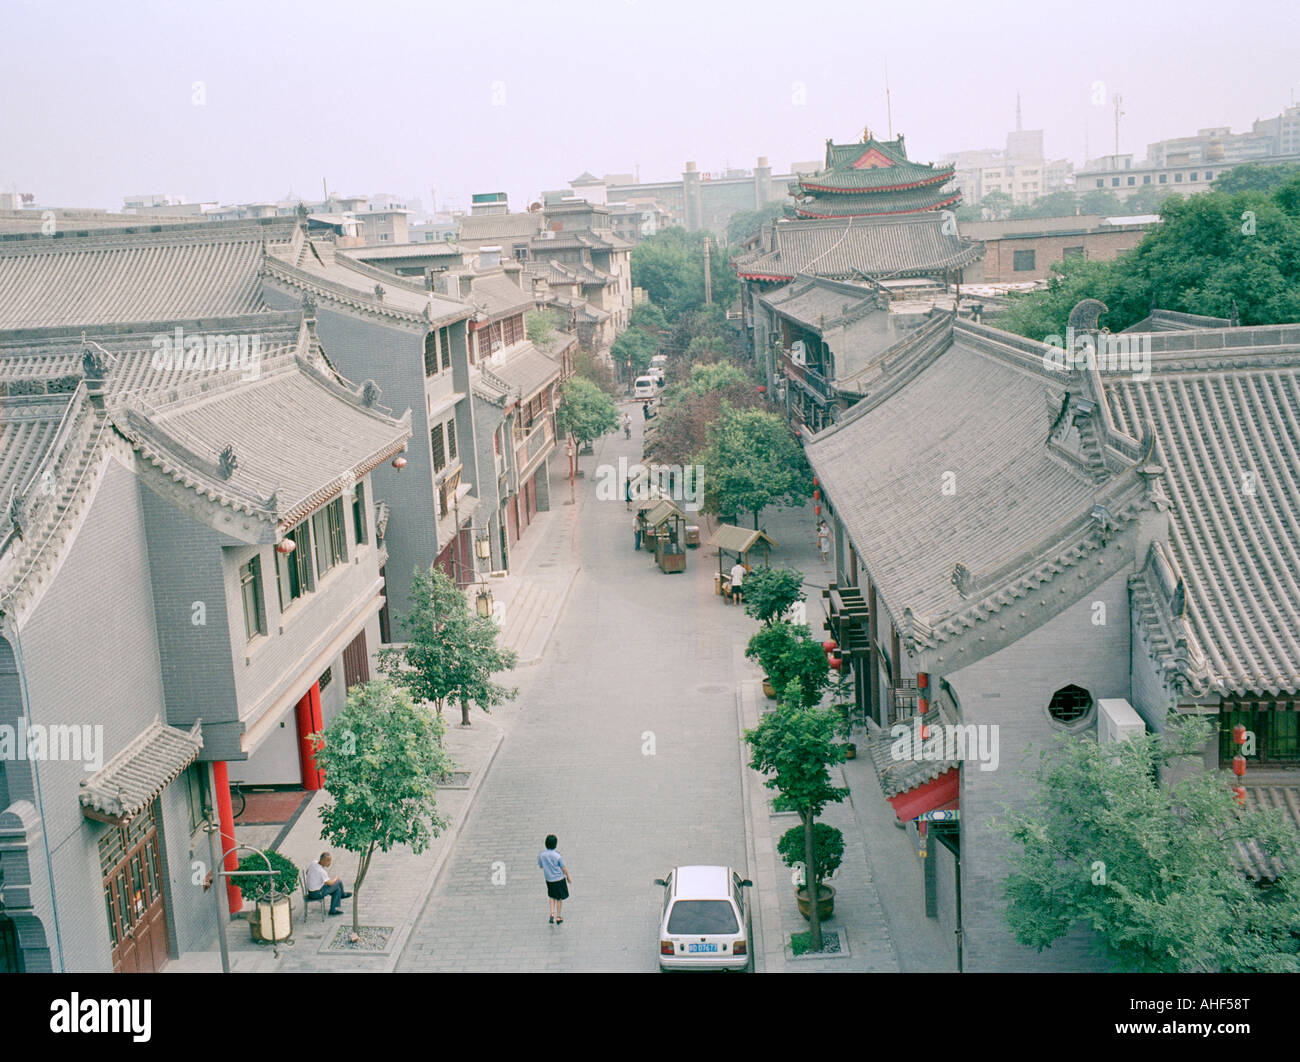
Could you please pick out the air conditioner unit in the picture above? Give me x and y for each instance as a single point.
(799, 353)
(1117, 721)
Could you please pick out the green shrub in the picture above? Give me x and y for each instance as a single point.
(255, 886)
(828, 849)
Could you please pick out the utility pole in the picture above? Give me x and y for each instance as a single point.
(708, 280)
(1118, 114)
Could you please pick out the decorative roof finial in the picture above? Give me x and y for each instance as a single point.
(1083, 318)
(866, 133)
(370, 393)
(227, 462)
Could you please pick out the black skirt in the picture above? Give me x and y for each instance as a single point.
(557, 890)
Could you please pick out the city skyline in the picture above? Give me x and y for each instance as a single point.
(179, 107)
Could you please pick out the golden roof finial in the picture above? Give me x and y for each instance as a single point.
(866, 133)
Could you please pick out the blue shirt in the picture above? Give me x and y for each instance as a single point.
(552, 865)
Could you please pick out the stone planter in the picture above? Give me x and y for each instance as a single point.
(825, 903)
(769, 691)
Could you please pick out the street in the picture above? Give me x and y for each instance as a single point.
(623, 743)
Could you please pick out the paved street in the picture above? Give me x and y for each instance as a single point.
(623, 743)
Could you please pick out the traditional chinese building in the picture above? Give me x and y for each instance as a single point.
(873, 178)
(1033, 551)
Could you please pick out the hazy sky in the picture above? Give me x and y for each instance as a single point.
(99, 99)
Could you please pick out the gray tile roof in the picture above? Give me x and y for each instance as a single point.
(1228, 430)
(1174, 321)
(910, 245)
(528, 370)
(314, 268)
(1258, 865)
(134, 778)
(205, 269)
(497, 296)
(880, 204)
(487, 229)
(875, 165)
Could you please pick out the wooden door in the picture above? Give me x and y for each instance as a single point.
(133, 895)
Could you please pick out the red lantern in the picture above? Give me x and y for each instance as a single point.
(1239, 734)
(1239, 765)
(925, 733)
(815, 481)
(399, 463)
(762, 390)
(817, 509)
(830, 645)
(1239, 791)
(817, 495)
(286, 546)
(836, 663)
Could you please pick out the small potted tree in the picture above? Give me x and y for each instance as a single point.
(787, 653)
(770, 593)
(273, 914)
(828, 853)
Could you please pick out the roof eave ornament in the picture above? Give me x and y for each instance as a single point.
(227, 462)
(370, 394)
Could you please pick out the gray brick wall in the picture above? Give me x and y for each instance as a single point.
(1012, 689)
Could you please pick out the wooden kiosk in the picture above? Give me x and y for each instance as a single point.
(665, 527)
(741, 543)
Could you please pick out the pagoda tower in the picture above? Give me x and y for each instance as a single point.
(873, 178)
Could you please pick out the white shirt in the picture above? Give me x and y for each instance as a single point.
(737, 574)
(317, 875)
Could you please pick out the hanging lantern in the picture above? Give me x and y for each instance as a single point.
(484, 603)
(925, 732)
(836, 662)
(829, 646)
(1239, 791)
(483, 549)
(817, 494)
(817, 509)
(1239, 734)
(762, 390)
(399, 462)
(285, 546)
(1239, 765)
(815, 481)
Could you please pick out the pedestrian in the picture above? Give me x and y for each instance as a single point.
(557, 878)
(737, 578)
(639, 528)
(645, 410)
(824, 541)
(628, 492)
(627, 425)
(320, 884)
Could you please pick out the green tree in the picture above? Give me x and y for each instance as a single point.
(828, 848)
(670, 267)
(542, 326)
(1253, 177)
(745, 223)
(451, 653)
(997, 204)
(648, 317)
(795, 747)
(771, 592)
(1148, 863)
(586, 412)
(637, 347)
(382, 757)
(753, 461)
(791, 659)
(1100, 201)
(1147, 199)
(1053, 205)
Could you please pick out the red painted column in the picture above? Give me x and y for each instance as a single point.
(226, 817)
(318, 724)
(305, 718)
(923, 701)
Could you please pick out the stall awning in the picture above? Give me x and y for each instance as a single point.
(735, 539)
(133, 779)
(661, 512)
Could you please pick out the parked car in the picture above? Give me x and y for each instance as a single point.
(704, 923)
(645, 387)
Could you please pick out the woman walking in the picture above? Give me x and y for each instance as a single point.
(557, 878)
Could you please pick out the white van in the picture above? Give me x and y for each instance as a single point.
(645, 387)
(660, 362)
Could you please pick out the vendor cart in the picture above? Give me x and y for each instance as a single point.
(665, 526)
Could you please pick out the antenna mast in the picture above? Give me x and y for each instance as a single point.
(889, 110)
(1118, 114)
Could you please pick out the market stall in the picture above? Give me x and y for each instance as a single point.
(665, 528)
(739, 544)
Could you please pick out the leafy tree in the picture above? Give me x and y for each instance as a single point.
(1253, 177)
(586, 412)
(997, 204)
(771, 592)
(382, 757)
(1148, 863)
(745, 223)
(1100, 201)
(638, 347)
(1147, 199)
(794, 663)
(451, 653)
(542, 326)
(753, 461)
(597, 371)
(828, 849)
(795, 747)
(648, 317)
(670, 267)
(1053, 205)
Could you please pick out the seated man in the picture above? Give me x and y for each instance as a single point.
(320, 884)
